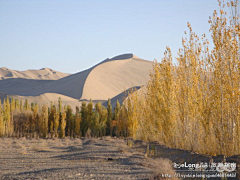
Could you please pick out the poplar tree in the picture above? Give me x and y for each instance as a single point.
(100, 119)
(63, 125)
(69, 121)
(77, 122)
(35, 117)
(60, 105)
(122, 126)
(43, 121)
(109, 118)
(103, 121)
(90, 116)
(1, 119)
(84, 124)
(21, 105)
(26, 105)
(7, 117)
(17, 104)
(12, 104)
(56, 121)
(117, 118)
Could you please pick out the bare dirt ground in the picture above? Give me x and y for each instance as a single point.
(90, 158)
(102, 158)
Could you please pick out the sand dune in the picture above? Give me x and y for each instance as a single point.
(54, 97)
(44, 73)
(112, 78)
(107, 79)
(45, 98)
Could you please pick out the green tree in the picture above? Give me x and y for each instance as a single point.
(77, 122)
(26, 105)
(69, 121)
(21, 105)
(90, 116)
(109, 118)
(100, 119)
(97, 119)
(43, 121)
(117, 111)
(35, 117)
(84, 124)
(17, 104)
(122, 125)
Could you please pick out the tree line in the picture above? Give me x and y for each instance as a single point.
(18, 118)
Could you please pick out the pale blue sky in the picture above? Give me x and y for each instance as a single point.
(72, 35)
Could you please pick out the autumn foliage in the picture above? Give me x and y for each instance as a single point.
(195, 103)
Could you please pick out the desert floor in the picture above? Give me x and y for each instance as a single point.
(102, 158)
(88, 158)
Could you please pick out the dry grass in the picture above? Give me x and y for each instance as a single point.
(163, 168)
(107, 138)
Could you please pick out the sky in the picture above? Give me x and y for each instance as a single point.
(73, 35)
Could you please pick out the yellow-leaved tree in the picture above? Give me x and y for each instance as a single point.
(194, 104)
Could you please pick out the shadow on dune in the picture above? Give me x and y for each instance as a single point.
(71, 86)
(120, 97)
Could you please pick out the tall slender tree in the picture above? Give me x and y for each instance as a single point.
(77, 122)
(109, 118)
(84, 124)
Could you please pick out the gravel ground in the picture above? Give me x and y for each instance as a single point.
(102, 158)
(95, 158)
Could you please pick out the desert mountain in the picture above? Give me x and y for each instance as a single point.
(107, 79)
(43, 74)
